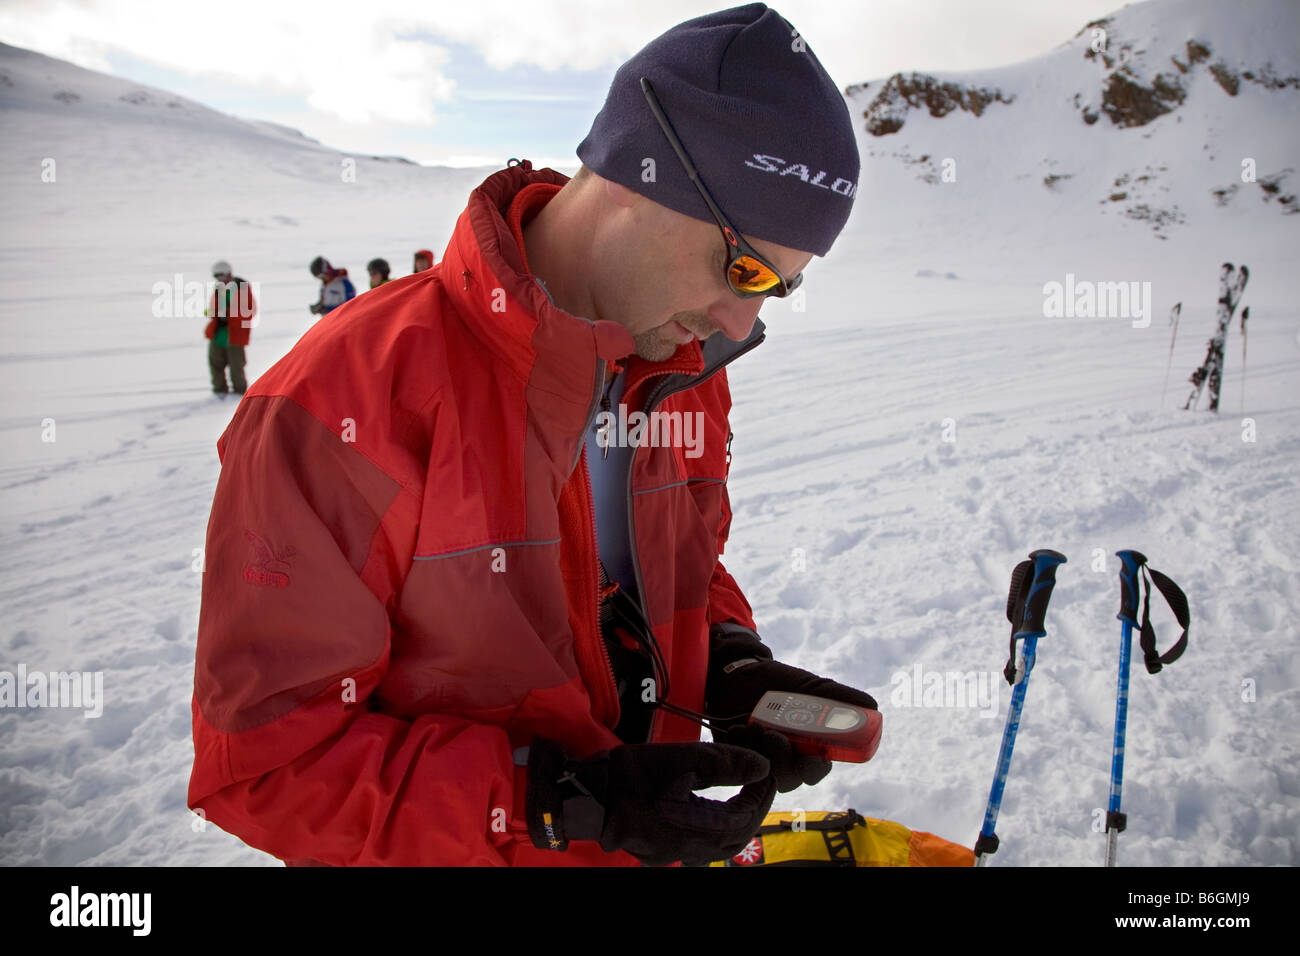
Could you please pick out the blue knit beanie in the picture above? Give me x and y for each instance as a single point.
(766, 127)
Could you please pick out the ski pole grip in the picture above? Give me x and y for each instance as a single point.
(1131, 563)
(1040, 592)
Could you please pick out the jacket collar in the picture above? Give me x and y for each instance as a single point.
(483, 272)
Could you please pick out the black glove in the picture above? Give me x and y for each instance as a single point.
(638, 798)
(791, 770)
(741, 671)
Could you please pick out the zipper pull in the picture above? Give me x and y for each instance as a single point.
(603, 430)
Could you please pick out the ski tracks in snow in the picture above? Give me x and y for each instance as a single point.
(102, 552)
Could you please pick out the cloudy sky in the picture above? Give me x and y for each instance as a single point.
(470, 82)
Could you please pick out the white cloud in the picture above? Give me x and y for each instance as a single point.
(356, 63)
(381, 59)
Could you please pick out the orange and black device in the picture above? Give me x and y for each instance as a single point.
(829, 729)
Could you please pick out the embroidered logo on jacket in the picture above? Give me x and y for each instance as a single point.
(265, 570)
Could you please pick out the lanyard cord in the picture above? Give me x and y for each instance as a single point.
(712, 723)
(617, 603)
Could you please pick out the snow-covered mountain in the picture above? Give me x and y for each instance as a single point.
(51, 90)
(914, 425)
(1161, 117)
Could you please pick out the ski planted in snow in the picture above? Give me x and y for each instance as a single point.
(1174, 313)
(1245, 314)
(1232, 282)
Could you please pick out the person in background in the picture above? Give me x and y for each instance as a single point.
(230, 320)
(336, 288)
(378, 269)
(423, 260)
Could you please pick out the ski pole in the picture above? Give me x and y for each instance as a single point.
(1031, 588)
(1245, 314)
(1131, 563)
(1173, 320)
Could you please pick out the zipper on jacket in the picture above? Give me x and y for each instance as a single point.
(636, 571)
(603, 431)
(595, 546)
(655, 398)
(597, 386)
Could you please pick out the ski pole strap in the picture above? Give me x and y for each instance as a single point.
(1022, 575)
(1177, 602)
(1133, 578)
(1032, 582)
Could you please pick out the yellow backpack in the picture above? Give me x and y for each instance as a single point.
(844, 838)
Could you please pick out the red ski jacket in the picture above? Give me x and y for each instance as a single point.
(401, 574)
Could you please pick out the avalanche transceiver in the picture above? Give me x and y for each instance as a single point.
(829, 729)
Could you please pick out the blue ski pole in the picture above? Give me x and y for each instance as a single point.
(1031, 588)
(1130, 561)
(1132, 565)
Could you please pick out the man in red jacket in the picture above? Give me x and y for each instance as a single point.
(449, 615)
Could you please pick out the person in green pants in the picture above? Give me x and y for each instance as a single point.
(232, 315)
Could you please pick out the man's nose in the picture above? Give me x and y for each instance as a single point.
(735, 319)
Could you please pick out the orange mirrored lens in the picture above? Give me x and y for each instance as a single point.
(747, 274)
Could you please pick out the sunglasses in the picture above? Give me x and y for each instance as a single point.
(747, 273)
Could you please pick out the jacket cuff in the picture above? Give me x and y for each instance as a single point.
(544, 801)
(730, 642)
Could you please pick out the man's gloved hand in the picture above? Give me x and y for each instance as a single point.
(638, 798)
(741, 671)
(791, 770)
